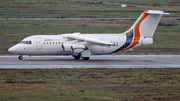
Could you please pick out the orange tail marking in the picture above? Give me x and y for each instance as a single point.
(136, 30)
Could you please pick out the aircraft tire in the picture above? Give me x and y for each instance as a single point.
(86, 58)
(76, 57)
(20, 57)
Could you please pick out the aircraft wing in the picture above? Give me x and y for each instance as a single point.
(89, 40)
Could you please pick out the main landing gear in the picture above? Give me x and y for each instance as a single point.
(84, 55)
(78, 57)
(20, 57)
(86, 58)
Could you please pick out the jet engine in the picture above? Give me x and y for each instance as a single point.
(74, 48)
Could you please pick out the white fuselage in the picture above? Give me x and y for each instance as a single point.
(52, 44)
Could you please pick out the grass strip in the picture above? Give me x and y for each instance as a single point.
(97, 84)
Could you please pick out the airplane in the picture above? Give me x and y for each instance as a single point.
(84, 45)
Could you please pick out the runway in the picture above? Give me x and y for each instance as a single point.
(99, 61)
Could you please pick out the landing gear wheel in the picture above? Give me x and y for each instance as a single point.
(86, 58)
(20, 57)
(77, 57)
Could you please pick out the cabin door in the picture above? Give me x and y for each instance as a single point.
(38, 43)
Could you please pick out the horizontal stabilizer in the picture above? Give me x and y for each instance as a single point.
(156, 12)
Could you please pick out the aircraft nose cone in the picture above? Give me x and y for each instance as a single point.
(12, 49)
(16, 49)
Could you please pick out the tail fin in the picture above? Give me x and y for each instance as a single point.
(143, 28)
(147, 23)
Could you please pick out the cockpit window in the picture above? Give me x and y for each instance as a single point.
(30, 42)
(26, 42)
(22, 42)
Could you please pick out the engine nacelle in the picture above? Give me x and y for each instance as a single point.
(73, 48)
(79, 48)
(67, 47)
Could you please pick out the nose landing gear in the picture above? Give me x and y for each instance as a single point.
(20, 57)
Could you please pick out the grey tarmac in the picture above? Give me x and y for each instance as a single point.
(96, 61)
